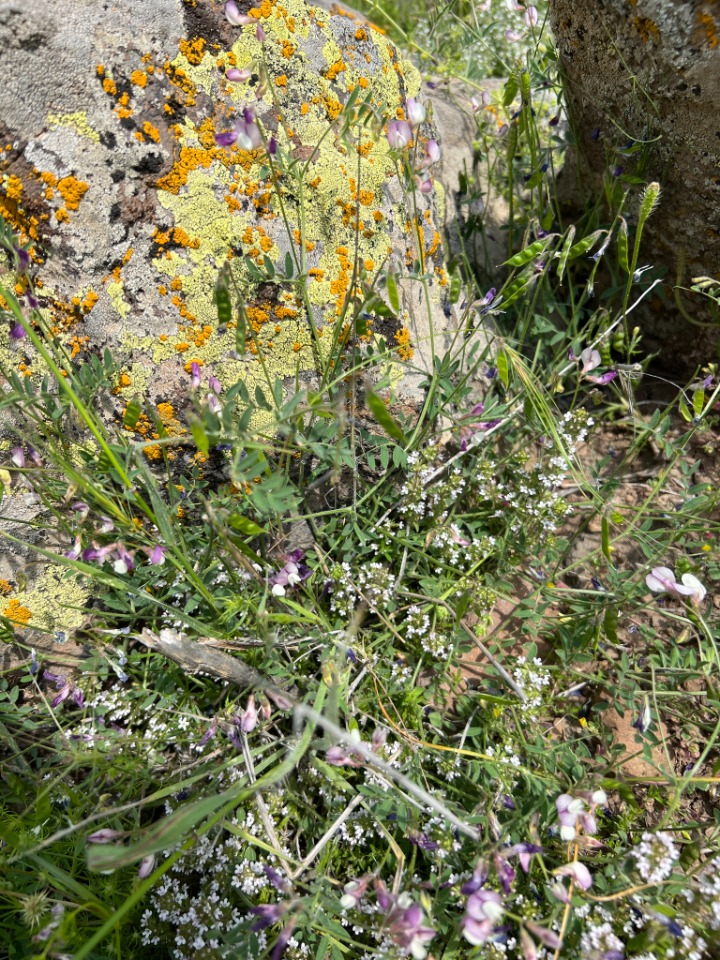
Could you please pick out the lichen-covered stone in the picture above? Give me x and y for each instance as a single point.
(111, 165)
(646, 73)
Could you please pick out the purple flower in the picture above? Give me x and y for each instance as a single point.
(525, 852)
(662, 580)
(512, 36)
(353, 892)
(338, 756)
(234, 16)
(214, 405)
(483, 912)
(590, 359)
(531, 16)
(209, 733)
(272, 146)
(268, 914)
(404, 921)
(18, 332)
(480, 875)
(604, 379)
(432, 152)
(238, 76)
(578, 872)
(156, 555)
(645, 719)
(260, 33)
(146, 866)
(544, 935)
(195, 372)
(416, 112)
(399, 134)
(293, 573)
(569, 809)
(505, 873)
(17, 455)
(106, 835)
(246, 134)
(215, 385)
(249, 719)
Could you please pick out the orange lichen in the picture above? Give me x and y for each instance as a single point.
(176, 283)
(183, 239)
(139, 78)
(150, 131)
(109, 86)
(127, 256)
(281, 81)
(16, 612)
(91, 298)
(402, 338)
(5, 588)
(62, 216)
(646, 28)
(72, 191)
(708, 23)
(332, 72)
(13, 188)
(124, 380)
(287, 49)
(193, 50)
(304, 109)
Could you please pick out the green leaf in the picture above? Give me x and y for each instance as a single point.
(132, 414)
(392, 291)
(503, 368)
(685, 411)
(199, 436)
(289, 265)
(161, 836)
(698, 401)
(269, 267)
(382, 416)
(243, 525)
(605, 539)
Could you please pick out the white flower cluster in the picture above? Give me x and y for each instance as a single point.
(655, 856)
(373, 581)
(194, 903)
(708, 888)
(598, 938)
(534, 679)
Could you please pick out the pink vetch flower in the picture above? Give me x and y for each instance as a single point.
(67, 689)
(246, 133)
(432, 152)
(578, 872)
(17, 455)
(545, 936)
(512, 36)
(478, 103)
(260, 33)
(156, 554)
(293, 573)
(662, 580)
(416, 112)
(399, 134)
(249, 719)
(483, 912)
(353, 892)
(195, 372)
(531, 16)
(238, 76)
(215, 385)
(424, 183)
(106, 835)
(469, 425)
(569, 809)
(209, 733)
(146, 866)
(234, 16)
(404, 921)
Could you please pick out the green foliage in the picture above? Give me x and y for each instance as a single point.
(357, 553)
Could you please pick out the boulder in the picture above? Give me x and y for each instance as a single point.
(643, 85)
(110, 166)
